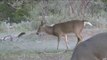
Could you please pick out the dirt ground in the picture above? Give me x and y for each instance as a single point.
(33, 47)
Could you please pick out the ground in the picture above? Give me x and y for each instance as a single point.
(34, 47)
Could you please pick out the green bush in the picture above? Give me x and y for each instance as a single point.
(15, 15)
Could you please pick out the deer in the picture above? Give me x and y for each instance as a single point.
(62, 29)
(94, 48)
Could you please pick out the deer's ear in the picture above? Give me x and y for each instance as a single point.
(42, 22)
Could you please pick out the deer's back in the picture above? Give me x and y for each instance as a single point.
(91, 49)
(69, 26)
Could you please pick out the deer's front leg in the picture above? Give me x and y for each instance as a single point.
(66, 41)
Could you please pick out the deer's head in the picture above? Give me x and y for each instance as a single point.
(41, 28)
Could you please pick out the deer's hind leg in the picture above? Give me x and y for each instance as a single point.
(79, 37)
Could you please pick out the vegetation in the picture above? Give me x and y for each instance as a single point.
(51, 11)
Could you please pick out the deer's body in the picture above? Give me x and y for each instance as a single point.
(62, 29)
(94, 48)
(69, 26)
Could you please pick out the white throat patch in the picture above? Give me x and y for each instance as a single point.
(52, 25)
(87, 23)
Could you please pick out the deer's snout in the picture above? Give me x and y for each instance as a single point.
(37, 33)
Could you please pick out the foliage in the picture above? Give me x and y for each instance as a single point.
(54, 11)
(105, 1)
(15, 15)
(5, 10)
(19, 14)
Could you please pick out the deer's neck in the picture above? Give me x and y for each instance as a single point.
(49, 30)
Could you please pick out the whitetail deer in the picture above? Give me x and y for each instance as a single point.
(95, 48)
(61, 29)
